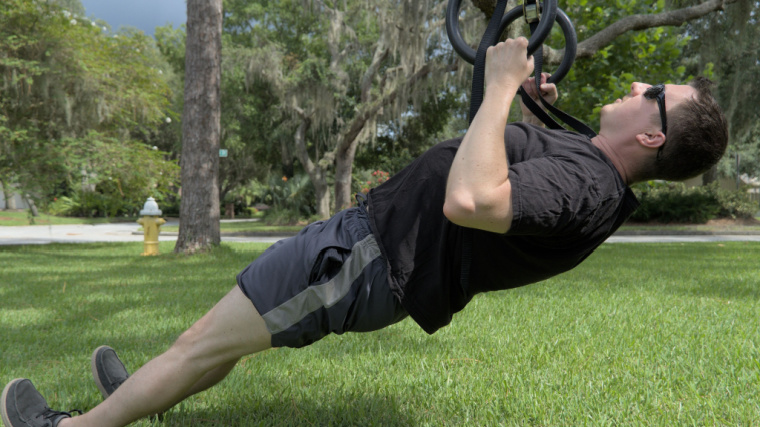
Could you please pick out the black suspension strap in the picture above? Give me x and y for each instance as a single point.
(541, 19)
(571, 43)
(478, 75)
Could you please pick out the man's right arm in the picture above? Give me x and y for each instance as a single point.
(478, 191)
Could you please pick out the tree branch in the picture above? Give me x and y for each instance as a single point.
(593, 44)
(300, 142)
(360, 120)
(337, 26)
(587, 48)
(381, 52)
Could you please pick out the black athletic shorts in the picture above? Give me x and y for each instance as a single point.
(331, 277)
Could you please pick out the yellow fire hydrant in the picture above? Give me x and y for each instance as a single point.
(151, 223)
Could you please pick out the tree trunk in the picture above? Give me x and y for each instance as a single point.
(286, 161)
(32, 206)
(322, 192)
(710, 176)
(10, 198)
(201, 126)
(317, 174)
(344, 162)
(2, 193)
(349, 141)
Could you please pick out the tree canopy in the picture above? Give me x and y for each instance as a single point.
(728, 44)
(325, 92)
(68, 82)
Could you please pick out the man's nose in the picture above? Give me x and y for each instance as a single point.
(638, 88)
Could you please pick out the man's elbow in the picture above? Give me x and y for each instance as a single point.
(459, 210)
(471, 215)
(489, 211)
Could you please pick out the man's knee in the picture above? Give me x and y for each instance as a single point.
(195, 346)
(230, 330)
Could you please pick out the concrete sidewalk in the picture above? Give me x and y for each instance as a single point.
(681, 238)
(85, 233)
(128, 232)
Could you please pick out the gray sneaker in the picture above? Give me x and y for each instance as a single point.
(23, 406)
(107, 370)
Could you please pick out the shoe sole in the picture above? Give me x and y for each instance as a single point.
(94, 368)
(3, 410)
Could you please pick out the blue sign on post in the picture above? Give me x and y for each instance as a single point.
(222, 152)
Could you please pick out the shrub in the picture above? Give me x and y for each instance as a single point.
(289, 200)
(64, 206)
(104, 176)
(365, 180)
(674, 202)
(736, 204)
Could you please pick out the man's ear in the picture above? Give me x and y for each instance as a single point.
(651, 139)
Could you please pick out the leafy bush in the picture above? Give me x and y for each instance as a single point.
(284, 216)
(364, 180)
(92, 204)
(736, 204)
(288, 200)
(674, 202)
(63, 206)
(97, 175)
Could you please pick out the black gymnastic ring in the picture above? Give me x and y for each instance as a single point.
(571, 41)
(542, 31)
(468, 53)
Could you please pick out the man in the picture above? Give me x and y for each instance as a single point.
(503, 207)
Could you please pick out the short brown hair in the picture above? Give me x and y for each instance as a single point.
(697, 136)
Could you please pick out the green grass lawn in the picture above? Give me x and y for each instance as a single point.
(640, 334)
(691, 228)
(9, 218)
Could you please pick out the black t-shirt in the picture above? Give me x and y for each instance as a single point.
(567, 198)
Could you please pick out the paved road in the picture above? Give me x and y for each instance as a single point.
(125, 232)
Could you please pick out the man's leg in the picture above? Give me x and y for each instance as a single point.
(212, 378)
(200, 358)
(109, 372)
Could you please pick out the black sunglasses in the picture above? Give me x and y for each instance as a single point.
(658, 92)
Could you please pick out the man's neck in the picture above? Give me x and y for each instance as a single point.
(616, 156)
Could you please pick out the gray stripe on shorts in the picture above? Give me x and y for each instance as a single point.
(327, 294)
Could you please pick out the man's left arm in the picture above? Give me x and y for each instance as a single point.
(548, 92)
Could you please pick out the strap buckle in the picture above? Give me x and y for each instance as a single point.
(531, 11)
